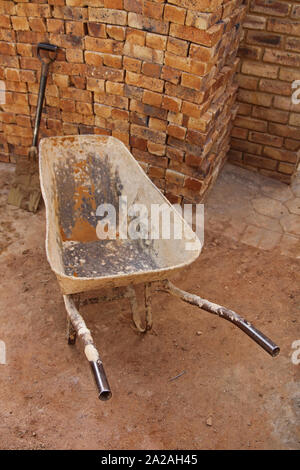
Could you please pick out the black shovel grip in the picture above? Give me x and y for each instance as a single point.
(47, 47)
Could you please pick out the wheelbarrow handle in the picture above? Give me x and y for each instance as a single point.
(266, 343)
(47, 47)
(92, 355)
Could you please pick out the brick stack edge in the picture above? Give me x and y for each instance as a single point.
(158, 75)
(266, 133)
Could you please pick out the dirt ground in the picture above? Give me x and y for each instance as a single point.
(231, 396)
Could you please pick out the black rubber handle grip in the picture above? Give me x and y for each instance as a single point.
(47, 47)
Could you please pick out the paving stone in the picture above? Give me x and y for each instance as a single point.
(269, 207)
(235, 230)
(276, 190)
(215, 221)
(296, 189)
(255, 210)
(269, 240)
(222, 203)
(252, 235)
(291, 224)
(290, 246)
(294, 205)
(259, 220)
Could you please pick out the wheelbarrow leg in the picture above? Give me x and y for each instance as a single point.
(90, 350)
(131, 295)
(148, 309)
(222, 312)
(71, 332)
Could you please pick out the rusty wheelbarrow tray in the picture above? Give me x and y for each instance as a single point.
(78, 175)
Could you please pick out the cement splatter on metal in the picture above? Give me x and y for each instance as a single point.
(106, 258)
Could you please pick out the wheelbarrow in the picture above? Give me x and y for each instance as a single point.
(89, 185)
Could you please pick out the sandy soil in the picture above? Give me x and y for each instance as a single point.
(231, 396)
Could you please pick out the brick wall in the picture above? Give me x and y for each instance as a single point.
(266, 134)
(158, 75)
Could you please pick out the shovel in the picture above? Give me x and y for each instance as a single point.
(25, 191)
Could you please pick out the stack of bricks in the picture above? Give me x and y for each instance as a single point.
(158, 75)
(266, 135)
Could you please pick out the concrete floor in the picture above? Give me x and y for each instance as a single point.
(256, 210)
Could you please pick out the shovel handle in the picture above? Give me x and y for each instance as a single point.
(47, 47)
(45, 67)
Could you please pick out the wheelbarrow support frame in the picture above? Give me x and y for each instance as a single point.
(77, 326)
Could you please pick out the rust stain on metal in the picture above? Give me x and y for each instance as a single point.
(82, 186)
(82, 232)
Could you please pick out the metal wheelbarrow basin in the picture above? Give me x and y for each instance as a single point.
(105, 232)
